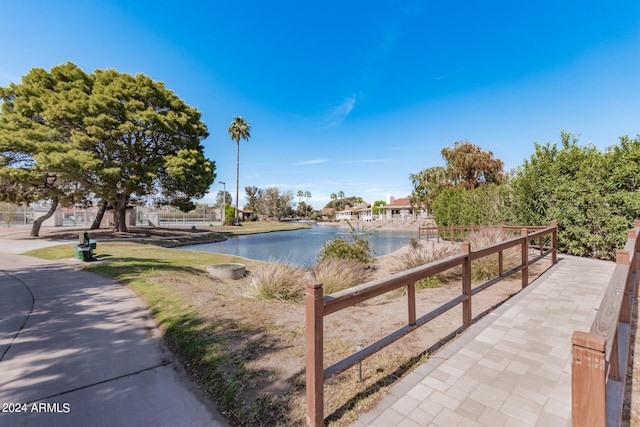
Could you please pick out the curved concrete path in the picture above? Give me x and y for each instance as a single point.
(78, 349)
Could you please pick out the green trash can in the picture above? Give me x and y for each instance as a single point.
(84, 252)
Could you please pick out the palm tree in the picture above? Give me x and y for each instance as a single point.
(340, 194)
(307, 194)
(300, 195)
(239, 129)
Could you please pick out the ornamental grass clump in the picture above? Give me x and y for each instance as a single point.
(277, 281)
(337, 274)
(421, 255)
(486, 268)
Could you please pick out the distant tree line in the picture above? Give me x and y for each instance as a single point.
(593, 194)
(339, 202)
(270, 202)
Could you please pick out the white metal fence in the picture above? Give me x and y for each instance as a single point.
(14, 215)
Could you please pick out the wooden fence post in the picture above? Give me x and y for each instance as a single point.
(624, 258)
(411, 303)
(635, 266)
(466, 284)
(314, 353)
(525, 257)
(588, 380)
(554, 241)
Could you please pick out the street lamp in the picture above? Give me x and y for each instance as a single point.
(224, 198)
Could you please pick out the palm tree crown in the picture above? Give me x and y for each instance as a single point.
(239, 129)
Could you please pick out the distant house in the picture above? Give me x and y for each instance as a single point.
(362, 212)
(347, 213)
(245, 214)
(402, 209)
(365, 212)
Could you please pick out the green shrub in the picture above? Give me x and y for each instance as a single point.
(336, 274)
(229, 215)
(485, 205)
(354, 247)
(487, 267)
(277, 281)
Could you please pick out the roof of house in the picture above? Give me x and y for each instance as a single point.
(349, 209)
(403, 202)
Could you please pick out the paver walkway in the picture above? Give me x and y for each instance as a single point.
(513, 367)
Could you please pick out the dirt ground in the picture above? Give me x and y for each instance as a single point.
(348, 394)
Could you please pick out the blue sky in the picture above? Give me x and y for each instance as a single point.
(355, 96)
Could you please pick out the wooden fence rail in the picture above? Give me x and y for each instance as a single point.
(600, 357)
(457, 233)
(318, 305)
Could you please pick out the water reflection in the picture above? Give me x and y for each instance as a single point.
(299, 247)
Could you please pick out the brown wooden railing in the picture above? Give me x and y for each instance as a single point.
(318, 306)
(600, 358)
(457, 233)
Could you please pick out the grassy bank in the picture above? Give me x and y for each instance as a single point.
(215, 332)
(200, 324)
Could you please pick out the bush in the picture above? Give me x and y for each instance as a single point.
(487, 267)
(421, 255)
(229, 215)
(336, 274)
(354, 247)
(485, 205)
(277, 281)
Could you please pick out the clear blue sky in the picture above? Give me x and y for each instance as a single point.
(354, 96)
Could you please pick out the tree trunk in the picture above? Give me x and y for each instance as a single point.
(98, 220)
(120, 214)
(37, 223)
(236, 220)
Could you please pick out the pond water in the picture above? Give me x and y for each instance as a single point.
(299, 247)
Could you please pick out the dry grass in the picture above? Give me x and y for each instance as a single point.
(487, 267)
(422, 254)
(336, 274)
(282, 282)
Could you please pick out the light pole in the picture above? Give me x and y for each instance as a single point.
(224, 198)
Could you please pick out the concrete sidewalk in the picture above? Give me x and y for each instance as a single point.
(78, 349)
(513, 367)
(8, 246)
